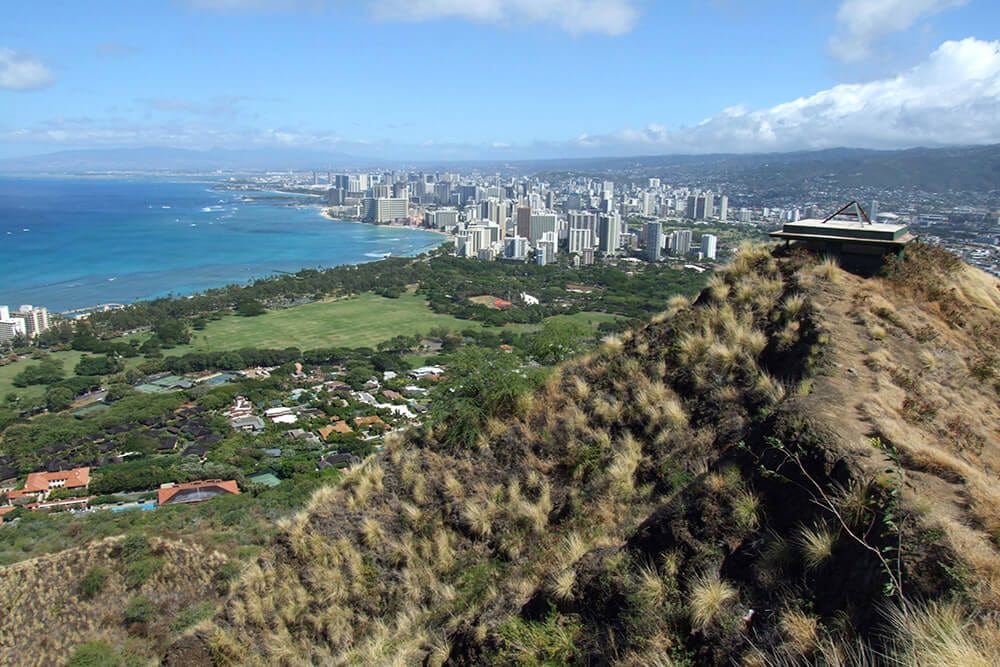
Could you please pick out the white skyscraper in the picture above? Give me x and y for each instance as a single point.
(709, 243)
(388, 209)
(723, 208)
(541, 223)
(680, 242)
(580, 240)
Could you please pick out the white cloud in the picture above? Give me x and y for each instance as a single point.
(860, 23)
(951, 98)
(612, 17)
(21, 72)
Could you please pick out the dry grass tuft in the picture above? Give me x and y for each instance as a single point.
(829, 270)
(816, 544)
(939, 634)
(708, 598)
(800, 631)
(562, 584)
(746, 510)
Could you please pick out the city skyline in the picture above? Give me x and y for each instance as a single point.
(499, 79)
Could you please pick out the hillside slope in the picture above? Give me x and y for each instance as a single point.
(762, 476)
(114, 601)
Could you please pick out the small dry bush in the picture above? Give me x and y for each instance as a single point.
(816, 544)
(708, 599)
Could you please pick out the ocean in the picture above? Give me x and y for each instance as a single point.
(70, 243)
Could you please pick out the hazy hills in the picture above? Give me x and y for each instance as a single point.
(938, 170)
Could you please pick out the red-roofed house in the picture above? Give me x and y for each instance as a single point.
(195, 492)
(502, 304)
(42, 483)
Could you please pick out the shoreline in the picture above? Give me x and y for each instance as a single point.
(59, 299)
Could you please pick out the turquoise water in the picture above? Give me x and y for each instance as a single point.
(146, 506)
(77, 242)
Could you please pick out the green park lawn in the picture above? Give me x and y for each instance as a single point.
(358, 321)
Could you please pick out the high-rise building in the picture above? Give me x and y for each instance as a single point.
(541, 255)
(357, 184)
(550, 245)
(524, 221)
(723, 208)
(654, 182)
(389, 209)
(442, 218)
(609, 234)
(648, 205)
(580, 239)
(700, 207)
(539, 224)
(653, 238)
(680, 242)
(515, 247)
(709, 243)
(11, 327)
(873, 214)
(706, 207)
(400, 190)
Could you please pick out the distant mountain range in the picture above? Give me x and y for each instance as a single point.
(959, 169)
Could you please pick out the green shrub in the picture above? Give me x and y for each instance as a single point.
(94, 654)
(139, 610)
(133, 548)
(93, 582)
(138, 571)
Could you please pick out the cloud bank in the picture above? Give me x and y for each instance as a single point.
(860, 23)
(612, 17)
(22, 72)
(951, 98)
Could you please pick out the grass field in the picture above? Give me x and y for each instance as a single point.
(359, 321)
(70, 359)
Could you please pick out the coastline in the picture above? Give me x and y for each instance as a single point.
(150, 250)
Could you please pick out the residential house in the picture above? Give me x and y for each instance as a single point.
(194, 492)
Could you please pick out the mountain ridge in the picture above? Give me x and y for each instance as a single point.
(735, 481)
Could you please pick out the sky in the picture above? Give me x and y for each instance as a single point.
(517, 79)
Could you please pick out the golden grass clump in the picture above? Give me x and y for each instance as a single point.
(793, 305)
(829, 270)
(939, 634)
(816, 544)
(613, 344)
(678, 302)
(624, 465)
(718, 288)
(800, 632)
(651, 589)
(746, 510)
(708, 598)
(562, 584)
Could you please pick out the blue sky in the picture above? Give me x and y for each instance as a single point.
(499, 78)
